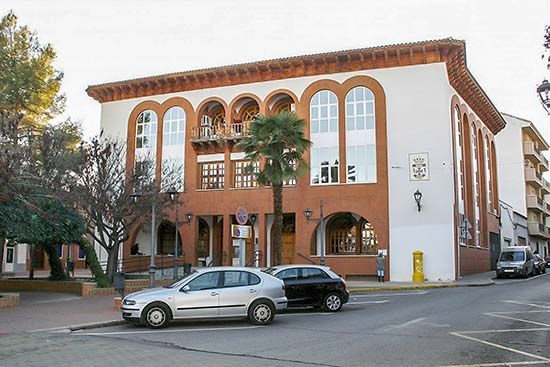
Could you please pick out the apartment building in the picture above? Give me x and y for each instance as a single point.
(523, 189)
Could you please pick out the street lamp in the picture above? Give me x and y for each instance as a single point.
(417, 197)
(152, 265)
(309, 216)
(174, 195)
(252, 219)
(544, 90)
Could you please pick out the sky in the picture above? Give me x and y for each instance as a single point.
(104, 40)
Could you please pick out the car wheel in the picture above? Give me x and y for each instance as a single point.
(332, 302)
(261, 312)
(156, 315)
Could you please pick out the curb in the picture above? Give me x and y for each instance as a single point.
(90, 325)
(401, 288)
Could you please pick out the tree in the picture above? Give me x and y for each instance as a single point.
(104, 189)
(29, 97)
(279, 141)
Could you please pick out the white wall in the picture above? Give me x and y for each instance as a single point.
(510, 171)
(507, 225)
(418, 120)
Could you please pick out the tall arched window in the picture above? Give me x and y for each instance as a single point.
(459, 168)
(173, 144)
(476, 186)
(488, 183)
(324, 135)
(360, 136)
(146, 130)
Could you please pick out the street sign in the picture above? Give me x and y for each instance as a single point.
(465, 227)
(241, 215)
(241, 231)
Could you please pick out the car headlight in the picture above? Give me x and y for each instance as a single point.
(499, 266)
(129, 302)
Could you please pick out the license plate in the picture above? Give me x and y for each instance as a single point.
(508, 270)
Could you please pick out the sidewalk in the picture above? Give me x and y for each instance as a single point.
(45, 310)
(481, 279)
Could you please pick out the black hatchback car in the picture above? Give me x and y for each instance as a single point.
(312, 285)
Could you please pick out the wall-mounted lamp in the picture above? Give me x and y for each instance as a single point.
(543, 91)
(417, 198)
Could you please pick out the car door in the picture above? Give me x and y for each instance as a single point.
(200, 297)
(293, 290)
(239, 287)
(316, 284)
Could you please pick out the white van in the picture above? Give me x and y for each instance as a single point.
(515, 260)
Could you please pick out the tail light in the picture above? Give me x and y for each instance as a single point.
(344, 283)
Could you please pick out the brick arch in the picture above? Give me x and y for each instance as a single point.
(203, 104)
(245, 95)
(272, 94)
(131, 136)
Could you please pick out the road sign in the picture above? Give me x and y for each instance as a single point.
(241, 231)
(241, 215)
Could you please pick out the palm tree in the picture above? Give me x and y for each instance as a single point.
(279, 141)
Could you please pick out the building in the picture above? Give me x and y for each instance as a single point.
(521, 165)
(385, 122)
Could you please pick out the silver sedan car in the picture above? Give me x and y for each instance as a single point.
(216, 292)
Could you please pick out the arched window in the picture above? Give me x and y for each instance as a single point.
(360, 136)
(459, 162)
(488, 179)
(146, 130)
(250, 112)
(173, 142)
(324, 136)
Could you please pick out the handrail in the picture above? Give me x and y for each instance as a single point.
(306, 258)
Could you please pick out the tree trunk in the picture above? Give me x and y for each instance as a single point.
(112, 262)
(32, 261)
(56, 267)
(277, 228)
(95, 267)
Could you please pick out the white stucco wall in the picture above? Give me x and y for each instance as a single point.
(418, 120)
(507, 225)
(510, 165)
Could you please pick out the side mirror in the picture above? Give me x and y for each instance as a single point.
(186, 289)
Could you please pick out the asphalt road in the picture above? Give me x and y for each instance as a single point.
(502, 325)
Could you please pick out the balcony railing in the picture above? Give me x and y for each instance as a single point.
(545, 187)
(538, 229)
(533, 202)
(530, 150)
(233, 131)
(533, 177)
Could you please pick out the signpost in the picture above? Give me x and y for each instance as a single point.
(241, 215)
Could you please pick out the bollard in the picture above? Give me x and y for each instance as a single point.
(418, 267)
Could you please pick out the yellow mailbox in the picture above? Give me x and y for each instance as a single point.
(418, 266)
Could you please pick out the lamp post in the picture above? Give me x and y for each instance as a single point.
(544, 94)
(174, 195)
(417, 197)
(308, 213)
(256, 247)
(152, 265)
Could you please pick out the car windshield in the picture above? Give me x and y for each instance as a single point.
(180, 279)
(512, 256)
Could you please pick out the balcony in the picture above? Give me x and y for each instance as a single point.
(545, 189)
(531, 152)
(535, 203)
(538, 229)
(220, 133)
(547, 209)
(544, 162)
(533, 177)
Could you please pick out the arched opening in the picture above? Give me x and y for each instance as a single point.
(280, 102)
(244, 111)
(212, 120)
(346, 233)
(166, 239)
(203, 241)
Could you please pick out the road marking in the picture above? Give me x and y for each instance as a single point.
(365, 302)
(503, 330)
(517, 319)
(167, 331)
(500, 282)
(525, 303)
(512, 312)
(406, 324)
(501, 347)
(389, 294)
(503, 364)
